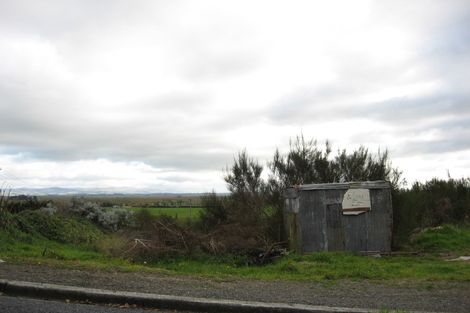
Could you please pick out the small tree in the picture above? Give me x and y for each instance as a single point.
(214, 212)
(246, 202)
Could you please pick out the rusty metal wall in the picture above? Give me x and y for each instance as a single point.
(314, 220)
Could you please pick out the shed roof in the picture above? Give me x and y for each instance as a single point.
(377, 184)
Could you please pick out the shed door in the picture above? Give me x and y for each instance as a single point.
(355, 229)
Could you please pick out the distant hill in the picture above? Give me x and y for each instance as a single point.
(91, 191)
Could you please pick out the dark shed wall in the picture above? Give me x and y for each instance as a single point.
(318, 224)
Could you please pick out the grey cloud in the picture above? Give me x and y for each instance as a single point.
(317, 105)
(409, 109)
(445, 114)
(57, 19)
(169, 134)
(453, 135)
(413, 147)
(313, 104)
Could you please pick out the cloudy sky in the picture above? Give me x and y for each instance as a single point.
(159, 95)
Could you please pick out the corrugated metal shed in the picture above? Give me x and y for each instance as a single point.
(355, 216)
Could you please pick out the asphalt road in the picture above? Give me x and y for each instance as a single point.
(26, 305)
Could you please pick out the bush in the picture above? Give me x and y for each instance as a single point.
(113, 218)
(57, 228)
(214, 212)
(6, 220)
(143, 219)
(430, 204)
(21, 203)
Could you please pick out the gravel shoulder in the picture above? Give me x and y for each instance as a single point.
(431, 297)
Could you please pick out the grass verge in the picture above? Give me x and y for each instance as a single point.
(325, 266)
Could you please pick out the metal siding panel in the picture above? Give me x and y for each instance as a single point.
(334, 226)
(380, 226)
(311, 216)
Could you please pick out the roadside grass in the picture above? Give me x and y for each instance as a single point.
(329, 266)
(445, 238)
(177, 213)
(34, 249)
(324, 266)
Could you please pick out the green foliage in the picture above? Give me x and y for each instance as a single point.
(32, 248)
(245, 175)
(246, 216)
(445, 238)
(430, 204)
(4, 197)
(325, 266)
(361, 165)
(6, 220)
(20, 203)
(214, 212)
(246, 203)
(180, 214)
(306, 163)
(144, 219)
(56, 227)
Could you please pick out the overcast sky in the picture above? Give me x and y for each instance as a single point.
(159, 95)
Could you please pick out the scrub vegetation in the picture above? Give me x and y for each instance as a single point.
(240, 234)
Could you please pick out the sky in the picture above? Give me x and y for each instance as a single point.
(159, 96)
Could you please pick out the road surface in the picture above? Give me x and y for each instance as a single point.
(26, 305)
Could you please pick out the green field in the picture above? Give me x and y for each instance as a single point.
(178, 213)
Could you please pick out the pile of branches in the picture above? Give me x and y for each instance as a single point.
(159, 237)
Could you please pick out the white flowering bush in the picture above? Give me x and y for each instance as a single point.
(49, 209)
(113, 218)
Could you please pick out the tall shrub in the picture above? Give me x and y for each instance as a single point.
(214, 212)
